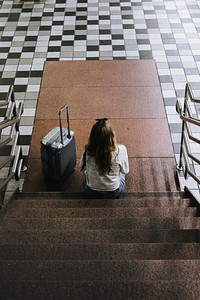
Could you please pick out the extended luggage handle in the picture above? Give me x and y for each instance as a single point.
(65, 107)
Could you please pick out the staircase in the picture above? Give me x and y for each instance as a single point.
(143, 246)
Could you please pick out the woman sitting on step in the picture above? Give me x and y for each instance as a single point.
(104, 163)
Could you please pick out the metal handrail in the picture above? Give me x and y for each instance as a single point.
(10, 97)
(189, 93)
(12, 120)
(7, 123)
(186, 134)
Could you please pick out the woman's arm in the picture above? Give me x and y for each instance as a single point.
(123, 160)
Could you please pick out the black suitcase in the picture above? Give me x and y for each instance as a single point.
(58, 151)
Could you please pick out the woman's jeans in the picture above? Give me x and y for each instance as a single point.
(105, 195)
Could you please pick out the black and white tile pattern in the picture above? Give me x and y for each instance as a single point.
(32, 32)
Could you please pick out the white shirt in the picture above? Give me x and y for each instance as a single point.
(110, 181)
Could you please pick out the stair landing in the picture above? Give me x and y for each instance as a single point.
(128, 93)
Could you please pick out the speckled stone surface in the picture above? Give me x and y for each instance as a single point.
(142, 137)
(121, 222)
(100, 251)
(99, 101)
(139, 179)
(128, 92)
(85, 247)
(100, 236)
(100, 73)
(112, 270)
(109, 249)
(117, 212)
(133, 201)
(151, 290)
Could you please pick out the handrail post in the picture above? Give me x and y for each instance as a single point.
(179, 166)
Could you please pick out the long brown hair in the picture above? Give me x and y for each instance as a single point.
(102, 141)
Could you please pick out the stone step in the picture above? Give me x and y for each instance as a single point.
(92, 203)
(100, 223)
(109, 251)
(100, 236)
(95, 270)
(100, 212)
(104, 290)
